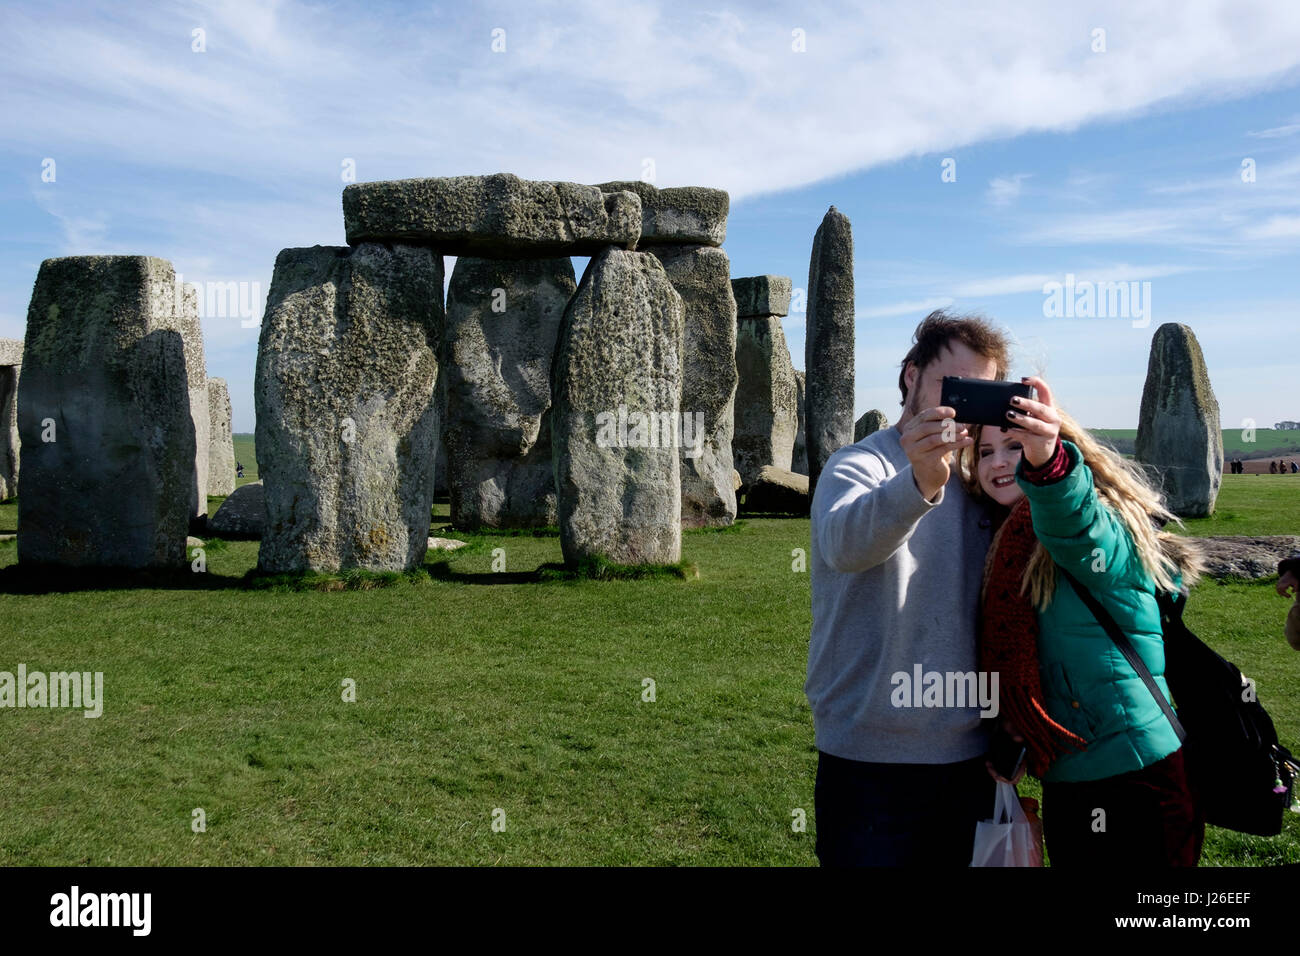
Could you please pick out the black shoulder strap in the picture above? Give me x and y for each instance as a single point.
(1126, 648)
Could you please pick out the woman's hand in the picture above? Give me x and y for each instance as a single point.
(1039, 423)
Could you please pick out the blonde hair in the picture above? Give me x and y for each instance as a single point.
(1122, 487)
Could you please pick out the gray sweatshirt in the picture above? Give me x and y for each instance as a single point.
(895, 583)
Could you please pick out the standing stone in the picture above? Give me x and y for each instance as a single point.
(828, 343)
(501, 216)
(221, 440)
(702, 277)
(767, 414)
(1178, 434)
(870, 423)
(347, 423)
(191, 330)
(617, 397)
(104, 416)
(799, 458)
(11, 360)
(503, 318)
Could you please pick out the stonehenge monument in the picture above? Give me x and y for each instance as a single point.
(501, 216)
(828, 343)
(503, 317)
(242, 514)
(191, 330)
(617, 399)
(221, 443)
(799, 458)
(104, 416)
(870, 423)
(11, 360)
(347, 424)
(767, 412)
(1178, 434)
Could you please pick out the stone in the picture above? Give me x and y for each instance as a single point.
(193, 542)
(777, 491)
(446, 544)
(1245, 556)
(501, 216)
(1178, 436)
(799, 457)
(702, 277)
(762, 295)
(242, 514)
(503, 317)
(196, 373)
(693, 215)
(11, 360)
(221, 440)
(104, 417)
(870, 423)
(828, 343)
(767, 410)
(347, 422)
(618, 359)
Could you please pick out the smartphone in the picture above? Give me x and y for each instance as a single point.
(1005, 754)
(981, 401)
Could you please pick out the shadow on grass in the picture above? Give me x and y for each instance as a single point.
(590, 569)
(58, 579)
(549, 531)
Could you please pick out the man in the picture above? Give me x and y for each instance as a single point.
(898, 552)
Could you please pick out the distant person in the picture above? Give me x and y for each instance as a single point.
(1294, 467)
(1272, 468)
(239, 470)
(1288, 585)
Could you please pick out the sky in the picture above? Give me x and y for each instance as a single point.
(983, 153)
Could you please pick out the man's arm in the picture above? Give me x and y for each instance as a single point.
(860, 517)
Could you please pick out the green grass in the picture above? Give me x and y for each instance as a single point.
(246, 455)
(475, 690)
(1252, 505)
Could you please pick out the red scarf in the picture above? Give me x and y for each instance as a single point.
(1008, 643)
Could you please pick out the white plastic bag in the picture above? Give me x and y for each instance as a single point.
(1010, 838)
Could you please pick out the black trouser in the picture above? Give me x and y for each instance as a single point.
(1144, 818)
(899, 814)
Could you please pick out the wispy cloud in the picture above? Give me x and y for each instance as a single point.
(1004, 190)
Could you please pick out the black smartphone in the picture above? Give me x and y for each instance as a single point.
(1005, 754)
(981, 401)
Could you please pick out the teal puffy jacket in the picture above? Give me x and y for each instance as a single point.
(1089, 688)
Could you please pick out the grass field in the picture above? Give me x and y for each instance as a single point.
(477, 691)
(1260, 442)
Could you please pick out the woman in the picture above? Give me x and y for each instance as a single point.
(1115, 785)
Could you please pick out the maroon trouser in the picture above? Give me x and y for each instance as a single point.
(1144, 818)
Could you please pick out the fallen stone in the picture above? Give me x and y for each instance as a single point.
(221, 440)
(501, 216)
(702, 277)
(503, 317)
(347, 421)
(1243, 556)
(1178, 434)
(617, 379)
(777, 491)
(692, 215)
(242, 514)
(445, 544)
(828, 343)
(193, 542)
(870, 423)
(761, 295)
(104, 417)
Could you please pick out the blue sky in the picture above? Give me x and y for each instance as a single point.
(1122, 164)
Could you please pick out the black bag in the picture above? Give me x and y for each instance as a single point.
(1240, 776)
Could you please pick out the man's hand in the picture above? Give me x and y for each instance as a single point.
(927, 439)
(1040, 422)
(1288, 585)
